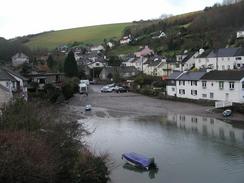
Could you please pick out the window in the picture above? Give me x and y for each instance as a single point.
(182, 118)
(221, 85)
(194, 92)
(173, 89)
(204, 84)
(232, 85)
(182, 92)
(238, 58)
(238, 65)
(223, 67)
(228, 67)
(194, 120)
(243, 85)
(204, 95)
(184, 83)
(193, 83)
(211, 95)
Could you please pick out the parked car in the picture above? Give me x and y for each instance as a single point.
(107, 89)
(120, 89)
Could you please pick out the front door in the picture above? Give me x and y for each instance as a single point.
(227, 97)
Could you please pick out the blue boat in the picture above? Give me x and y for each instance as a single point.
(138, 160)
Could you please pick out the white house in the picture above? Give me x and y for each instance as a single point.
(221, 59)
(15, 83)
(187, 85)
(125, 40)
(5, 95)
(97, 48)
(223, 86)
(19, 59)
(188, 62)
(171, 83)
(240, 33)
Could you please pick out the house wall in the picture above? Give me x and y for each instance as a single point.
(5, 96)
(171, 90)
(19, 61)
(8, 84)
(220, 63)
(225, 94)
(240, 34)
(187, 87)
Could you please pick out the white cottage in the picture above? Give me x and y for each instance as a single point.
(223, 86)
(221, 59)
(171, 83)
(187, 85)
(19, 59)
(240, 33)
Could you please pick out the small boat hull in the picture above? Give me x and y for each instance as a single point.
(88, 108)
(138, 160)
(227, 113)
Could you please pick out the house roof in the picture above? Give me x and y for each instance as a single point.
(240, 52)
(222, 52)
(15, 74)
(224, 75)
(191, 76)
(191, 54)
(175, 75)
(20, 55)
(154, 63)
(204, 54)
(5, 76)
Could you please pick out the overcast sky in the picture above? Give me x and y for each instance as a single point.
(22, 17)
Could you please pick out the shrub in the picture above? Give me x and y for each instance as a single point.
(52, 92)
(24, 158)
(36, 147)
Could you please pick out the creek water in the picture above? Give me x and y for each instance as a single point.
(187, 149)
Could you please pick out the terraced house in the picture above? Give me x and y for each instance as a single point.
(221, 59)
(225, 86)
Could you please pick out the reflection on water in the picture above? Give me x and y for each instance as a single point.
(151, 172)
(186, 148)
(207, 127)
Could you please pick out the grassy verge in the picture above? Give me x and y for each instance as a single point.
(90, 35)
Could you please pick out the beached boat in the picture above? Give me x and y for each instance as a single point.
(138, 160)
(88, 108)
(227, 113)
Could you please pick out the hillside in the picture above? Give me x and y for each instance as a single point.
(211, 28)
(86, 35)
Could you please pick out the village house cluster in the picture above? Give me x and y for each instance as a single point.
(216, 74)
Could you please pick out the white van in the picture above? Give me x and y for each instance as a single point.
(82, 88)
(85, 81)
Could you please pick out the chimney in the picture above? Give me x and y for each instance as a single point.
(201, 51)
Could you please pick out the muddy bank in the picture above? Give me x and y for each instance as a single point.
(126, 104)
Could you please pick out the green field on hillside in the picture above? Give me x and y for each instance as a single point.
(91, 35)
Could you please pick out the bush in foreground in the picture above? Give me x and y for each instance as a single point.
(36, 147)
